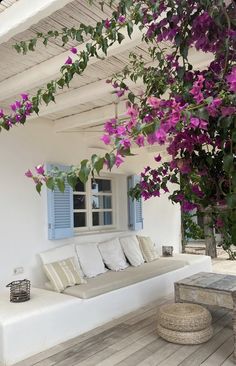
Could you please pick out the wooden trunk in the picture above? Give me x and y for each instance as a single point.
(209, 235)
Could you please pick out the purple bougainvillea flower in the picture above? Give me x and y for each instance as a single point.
(107, 23)
(1, 113)
(160, 136)
(196, 190)
(188, 206)
(231, 78)
(29, 174)
(120, 93)
(126, 143)
(24, 96)
(132, 112)
(118, 160)
(227, 111)
(109, 126)
(18, 117)
(68, 61)
(106, 139)
(219, 223)
(121, 130)
(157, 158)
(121, 19)
(154, 102)
(9, 122)
(140, 140)
(194, 122)
(74, 50)
(40, 169)
(13, 107)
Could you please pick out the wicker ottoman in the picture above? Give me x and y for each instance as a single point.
(184, 323)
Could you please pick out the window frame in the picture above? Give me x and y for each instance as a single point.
(89, 210)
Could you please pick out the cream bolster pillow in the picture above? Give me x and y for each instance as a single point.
(90, 259)
(132, 251)
(113, 255)
(63, 274)
(61, 253)
(147, 248)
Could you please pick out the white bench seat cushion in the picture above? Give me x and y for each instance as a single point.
(114, 280)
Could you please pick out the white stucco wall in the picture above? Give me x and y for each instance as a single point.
(23, 219)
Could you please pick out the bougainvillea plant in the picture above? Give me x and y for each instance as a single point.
(189, 110)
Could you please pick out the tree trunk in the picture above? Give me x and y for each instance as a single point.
(209, 235)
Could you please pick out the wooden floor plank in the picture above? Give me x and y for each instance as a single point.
(129, 350)
(118, 346)
(229, 361)
(184, 352)
(208, 348)
(157, 357)
(132, 340)
(222, 353)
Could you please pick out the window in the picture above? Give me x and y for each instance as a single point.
(93, 205)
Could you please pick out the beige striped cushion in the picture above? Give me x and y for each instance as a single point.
(147, 248)
(63, 274)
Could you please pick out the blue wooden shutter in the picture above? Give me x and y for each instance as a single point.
(135, 208)
(60, 210)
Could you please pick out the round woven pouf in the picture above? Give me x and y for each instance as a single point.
(178, 337)
(184, 317)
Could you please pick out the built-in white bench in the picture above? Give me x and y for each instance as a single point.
(50, 318)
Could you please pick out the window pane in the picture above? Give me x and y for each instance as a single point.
(79, 219)
(79, 202)
(101, 185)
(80, 187)
(102, 218)
(101, 202)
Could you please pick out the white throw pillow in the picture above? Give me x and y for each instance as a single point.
(60, 254)
(113, 255)
(132, 251)
(90, 259)
(147, 248)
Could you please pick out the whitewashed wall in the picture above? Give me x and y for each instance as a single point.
(23, 222)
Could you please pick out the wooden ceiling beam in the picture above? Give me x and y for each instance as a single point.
(92, 118)
(100, 89)
(24, 13)
(50, 69)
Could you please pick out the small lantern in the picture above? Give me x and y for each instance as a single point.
(19, 290)
(167, 251)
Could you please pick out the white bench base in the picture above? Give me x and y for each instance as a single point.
(50, 318)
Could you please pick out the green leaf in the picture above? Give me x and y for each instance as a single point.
(85, 170)
(60, 184)
(131, 97)
(98, 166)
(121, 37)
(17, 48)
(50, 183)
(231, 200)
(61, 82)
(130, 29)
(38, 187)
(32, 44)
(234, 136)
(110, 158)
(234, 232)
(46, 98)
(228, 162)
(65, 39)
(72, 180)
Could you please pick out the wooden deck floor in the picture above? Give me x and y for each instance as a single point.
(132, 341)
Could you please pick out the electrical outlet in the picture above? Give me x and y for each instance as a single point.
(18, 270)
